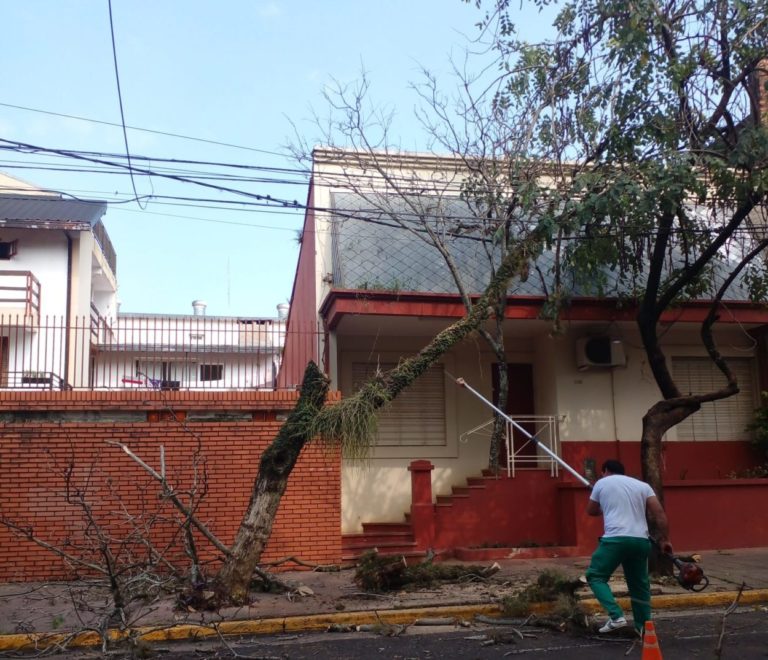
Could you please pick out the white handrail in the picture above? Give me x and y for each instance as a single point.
(462, 383)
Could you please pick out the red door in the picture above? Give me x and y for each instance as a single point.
(519, 402)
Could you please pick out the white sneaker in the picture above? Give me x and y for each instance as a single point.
(613, 624)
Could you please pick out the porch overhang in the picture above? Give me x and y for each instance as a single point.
(342, 302)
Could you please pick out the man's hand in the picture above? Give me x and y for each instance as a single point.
(666, 546)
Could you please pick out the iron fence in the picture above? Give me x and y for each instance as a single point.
(148, 352)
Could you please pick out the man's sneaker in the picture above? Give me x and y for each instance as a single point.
(613, 624)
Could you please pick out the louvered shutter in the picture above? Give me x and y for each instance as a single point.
(725, 419)
(417, 416)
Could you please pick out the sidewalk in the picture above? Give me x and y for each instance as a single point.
(27, 610)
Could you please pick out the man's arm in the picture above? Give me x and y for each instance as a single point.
(593, 509)
(656, 514)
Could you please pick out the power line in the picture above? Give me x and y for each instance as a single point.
(143, 130)
(120, 100)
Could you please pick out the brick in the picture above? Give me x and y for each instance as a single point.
(33, 455)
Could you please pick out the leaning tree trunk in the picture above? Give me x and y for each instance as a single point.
(275, 467)
(310, 417)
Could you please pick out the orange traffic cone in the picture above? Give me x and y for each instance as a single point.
(651, 650)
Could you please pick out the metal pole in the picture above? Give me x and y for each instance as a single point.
(462, 383)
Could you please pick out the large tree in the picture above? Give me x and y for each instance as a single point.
(653, 111)
(468, 199)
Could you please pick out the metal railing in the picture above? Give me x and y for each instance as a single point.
(102, 238)
(20, 288)
(146, 352)
(521, 452)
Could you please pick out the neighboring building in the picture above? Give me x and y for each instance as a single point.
(58, 267)
(190, 352)
(370, 293)
(59, 321)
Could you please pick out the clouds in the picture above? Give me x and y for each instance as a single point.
(269, 9)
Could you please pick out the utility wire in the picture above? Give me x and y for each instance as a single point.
(143, 130)
(120, 100)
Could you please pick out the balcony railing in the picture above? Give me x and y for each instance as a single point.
(20, 289)
(102, 238)
(170, 353)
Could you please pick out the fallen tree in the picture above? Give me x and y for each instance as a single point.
(349, 424)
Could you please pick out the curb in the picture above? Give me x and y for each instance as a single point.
(315, 622)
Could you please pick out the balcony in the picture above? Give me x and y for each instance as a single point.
(19, 294)
(102, 238)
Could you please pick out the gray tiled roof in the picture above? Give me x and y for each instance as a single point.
(371, 252)
(14, 208)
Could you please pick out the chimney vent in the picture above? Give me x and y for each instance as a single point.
(282, 311)
(198, 307)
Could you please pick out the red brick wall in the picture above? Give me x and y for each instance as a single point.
(40, 441)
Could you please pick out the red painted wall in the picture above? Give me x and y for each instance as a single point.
(506, 511)
(301, 343)
(682, 460)
(36, 453)
(703, 515)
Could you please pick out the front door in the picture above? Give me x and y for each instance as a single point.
(519, 402)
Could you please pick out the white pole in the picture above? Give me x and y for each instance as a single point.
(462, 383)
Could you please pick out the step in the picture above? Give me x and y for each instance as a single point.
(411, 557)
(477, 482)
(359, 547)
(447, 499)
(466, 491)
(387, 527)
(376, 539)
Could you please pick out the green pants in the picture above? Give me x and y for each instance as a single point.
(631, 553)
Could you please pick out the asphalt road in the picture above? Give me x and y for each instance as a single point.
(682, 636)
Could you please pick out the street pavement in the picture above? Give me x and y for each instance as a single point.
(331, 599)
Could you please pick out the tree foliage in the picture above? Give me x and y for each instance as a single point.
(649, 114)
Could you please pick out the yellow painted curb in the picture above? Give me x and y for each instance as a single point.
(39, 641)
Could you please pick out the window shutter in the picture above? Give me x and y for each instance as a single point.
(725, 419)
(417, 416)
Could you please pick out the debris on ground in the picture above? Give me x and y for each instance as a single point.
(551, 586)
(379, 573)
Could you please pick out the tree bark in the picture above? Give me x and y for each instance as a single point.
(277, 462)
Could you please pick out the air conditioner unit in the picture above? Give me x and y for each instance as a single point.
(592, 352)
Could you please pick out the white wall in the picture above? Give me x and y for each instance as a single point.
(44, 253)
(378, 489)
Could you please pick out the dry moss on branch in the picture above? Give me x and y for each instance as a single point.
(378, 574)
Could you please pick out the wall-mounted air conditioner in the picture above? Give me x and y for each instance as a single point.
(601, 351)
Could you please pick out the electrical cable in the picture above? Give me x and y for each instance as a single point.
(143, 130)
(120, 100)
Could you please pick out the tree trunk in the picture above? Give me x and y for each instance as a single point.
(495, 340)
(277, 462)
(657, 421)
(498, 435)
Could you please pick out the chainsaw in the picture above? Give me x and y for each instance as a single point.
(690, 575)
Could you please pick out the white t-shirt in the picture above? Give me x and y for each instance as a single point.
(622, 500)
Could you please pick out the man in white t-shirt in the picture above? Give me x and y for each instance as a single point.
(626, 504)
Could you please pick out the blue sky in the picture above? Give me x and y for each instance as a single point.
(232, 71)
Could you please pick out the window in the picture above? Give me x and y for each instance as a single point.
(417, 416)
(8, 249)
(211, 371)
(725, 419)
(165, 375)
